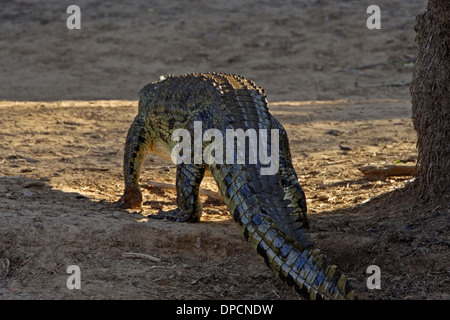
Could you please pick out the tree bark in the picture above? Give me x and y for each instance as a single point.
(430, 91)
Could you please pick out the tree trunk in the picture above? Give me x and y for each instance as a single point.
(430, 90)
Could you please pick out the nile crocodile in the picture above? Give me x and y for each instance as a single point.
(269, 208)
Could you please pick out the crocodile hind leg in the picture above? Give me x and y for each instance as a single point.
(189, 177)
(292, 188)
(294, 192)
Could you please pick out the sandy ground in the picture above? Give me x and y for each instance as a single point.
(340, 90)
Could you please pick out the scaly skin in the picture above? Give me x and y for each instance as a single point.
(270, 209)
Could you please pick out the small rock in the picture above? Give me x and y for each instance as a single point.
(30, 184)
(333, 132)
(344, 148)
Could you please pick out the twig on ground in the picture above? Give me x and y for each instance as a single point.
(381, 173)
(356, 69)
(384, 84)
(141, 256)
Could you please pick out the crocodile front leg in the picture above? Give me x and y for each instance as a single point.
(189, 177)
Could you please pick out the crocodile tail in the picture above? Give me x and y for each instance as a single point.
(301, 267)
(257, 206)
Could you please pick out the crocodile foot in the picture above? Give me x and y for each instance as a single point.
(175, 215)
(132, 198)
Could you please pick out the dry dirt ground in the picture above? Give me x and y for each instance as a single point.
(340, 90)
